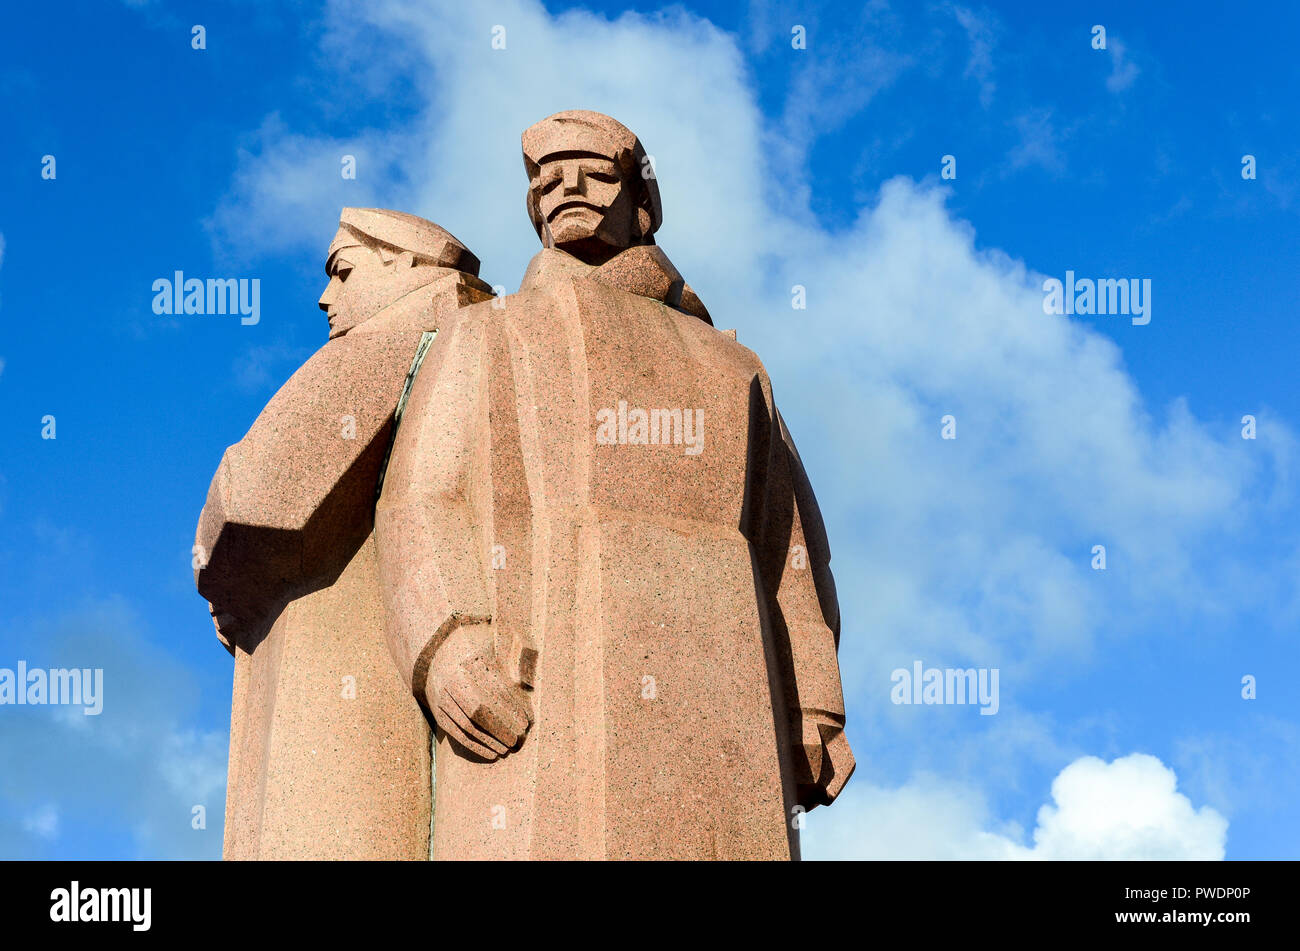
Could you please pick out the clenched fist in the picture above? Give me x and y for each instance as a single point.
(471, 697)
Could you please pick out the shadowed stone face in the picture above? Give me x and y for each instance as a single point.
(591, 186)
(588, 205)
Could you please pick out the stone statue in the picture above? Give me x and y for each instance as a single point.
(595, 558)
(329, 754)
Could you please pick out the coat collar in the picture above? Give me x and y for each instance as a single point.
(643, 270)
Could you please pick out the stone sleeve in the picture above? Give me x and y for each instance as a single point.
(293, 500)
(433, 518)
(794, 557)
(806, 594)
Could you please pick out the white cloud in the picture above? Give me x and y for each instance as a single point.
(1126, 809)
(979, 66)
(927, 819)
(297, 187)
(458, 162)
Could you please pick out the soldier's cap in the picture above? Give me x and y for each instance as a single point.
(401, 232)
(581, 130)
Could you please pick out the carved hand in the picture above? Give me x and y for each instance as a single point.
(823, 760)
(472, 699)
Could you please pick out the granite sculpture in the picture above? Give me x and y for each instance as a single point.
(577, 521)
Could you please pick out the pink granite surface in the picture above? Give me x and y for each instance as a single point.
(597, 563)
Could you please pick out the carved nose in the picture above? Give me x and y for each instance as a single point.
(327, 298)
(573, 181)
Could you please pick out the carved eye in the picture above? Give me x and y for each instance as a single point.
(609, 177)
(342, 270)
(550, 184)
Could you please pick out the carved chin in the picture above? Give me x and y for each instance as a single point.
(573, 227)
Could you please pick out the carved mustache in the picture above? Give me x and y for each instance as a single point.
(572, 203)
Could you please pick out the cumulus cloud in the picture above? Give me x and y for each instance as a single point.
(1127, 809)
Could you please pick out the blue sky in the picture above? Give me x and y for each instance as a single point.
(778, 166)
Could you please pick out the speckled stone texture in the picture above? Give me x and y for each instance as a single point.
(604, 571)
(681, 662)
(329, 752)
(317, 770)
(596, 561)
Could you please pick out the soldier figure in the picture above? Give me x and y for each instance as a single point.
(596, 564)
(629, 649)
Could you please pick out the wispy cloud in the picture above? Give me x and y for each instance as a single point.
(1040, 142)
(260, 366)
(982, 37)
(1123, 71)
(43, 822)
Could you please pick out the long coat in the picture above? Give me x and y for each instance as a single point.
(663, 589)
(329, 751)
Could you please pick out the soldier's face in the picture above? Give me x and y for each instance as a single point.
(362, 284)
(585, 199)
